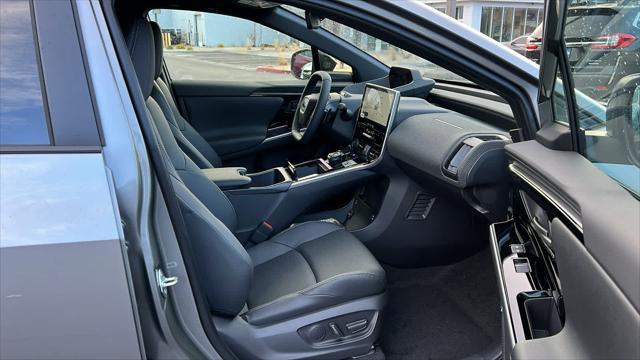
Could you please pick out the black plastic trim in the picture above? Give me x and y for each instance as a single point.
(71, 108)
(96, 114)
(43, 88)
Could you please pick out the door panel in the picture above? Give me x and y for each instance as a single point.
(232, 124)
(580, 238)
(600, 323)
(65, 287)
(585, 224)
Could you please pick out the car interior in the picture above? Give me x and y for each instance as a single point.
(343, 218)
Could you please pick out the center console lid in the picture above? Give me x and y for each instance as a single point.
(228, 177)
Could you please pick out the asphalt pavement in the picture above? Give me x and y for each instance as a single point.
(222, 64)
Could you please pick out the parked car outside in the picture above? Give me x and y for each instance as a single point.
(533, 44)
(603, 45)
(519, 44)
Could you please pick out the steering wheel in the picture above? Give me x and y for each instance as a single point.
(310, 110)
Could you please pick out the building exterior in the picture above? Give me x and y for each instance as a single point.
(213, 30)
(503, 20)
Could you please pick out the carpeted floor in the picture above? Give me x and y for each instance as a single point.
(443, 312)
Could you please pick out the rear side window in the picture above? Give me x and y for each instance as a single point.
(602, 49)
(23, 119)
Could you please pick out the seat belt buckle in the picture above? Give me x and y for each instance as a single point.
(262, 232)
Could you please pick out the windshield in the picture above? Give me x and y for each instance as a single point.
(388, 54)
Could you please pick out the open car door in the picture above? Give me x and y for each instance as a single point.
(568, 262)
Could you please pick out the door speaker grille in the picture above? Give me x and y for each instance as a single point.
(421, 207)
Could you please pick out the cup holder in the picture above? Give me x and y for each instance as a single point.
(268, 177)
(540, 316)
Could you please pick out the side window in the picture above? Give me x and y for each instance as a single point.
(208, 46)
(602, 57)
(23, 119)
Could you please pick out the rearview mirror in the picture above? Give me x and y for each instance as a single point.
(302, 63)
(313, 21)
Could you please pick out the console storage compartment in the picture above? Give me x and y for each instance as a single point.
(269, 177)
(309, 169)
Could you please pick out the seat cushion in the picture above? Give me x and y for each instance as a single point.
(309, 267)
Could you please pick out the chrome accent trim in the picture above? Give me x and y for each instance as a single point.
(165, 282)
(394, 110)
(497, 262)
(542, 232)
(553, 200)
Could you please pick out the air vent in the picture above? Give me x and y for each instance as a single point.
(421, 207)
(457, 158)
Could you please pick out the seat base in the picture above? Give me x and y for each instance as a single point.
(292, 339)
(308, 267)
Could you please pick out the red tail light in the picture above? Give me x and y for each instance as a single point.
(614, 41)
(530, 45)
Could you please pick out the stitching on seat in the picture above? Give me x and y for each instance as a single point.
(305, 290)
(303, 224)
(275, 238)
(134, 38)
(353, 273)
(286, 297)
(315, 278)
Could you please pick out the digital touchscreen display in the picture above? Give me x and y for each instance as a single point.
(377, 104)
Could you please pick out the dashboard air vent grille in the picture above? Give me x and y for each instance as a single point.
(421, 207)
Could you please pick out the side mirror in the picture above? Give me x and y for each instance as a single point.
(302, 63)
(623, 115)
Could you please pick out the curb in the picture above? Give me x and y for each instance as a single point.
(272, 69)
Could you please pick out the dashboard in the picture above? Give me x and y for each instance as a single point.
(431, 144)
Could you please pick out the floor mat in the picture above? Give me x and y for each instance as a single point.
(443, 312)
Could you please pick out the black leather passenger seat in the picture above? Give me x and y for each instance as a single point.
(313, 290)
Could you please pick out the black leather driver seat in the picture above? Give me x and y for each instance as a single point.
(188, 138)
(312, 290)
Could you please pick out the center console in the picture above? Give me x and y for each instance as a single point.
(278, 196)
(375, 117)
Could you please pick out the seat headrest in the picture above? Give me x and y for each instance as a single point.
(157, 36)
(139, 38)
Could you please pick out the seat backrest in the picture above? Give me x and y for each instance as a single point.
(224, 266)
(191, 142)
